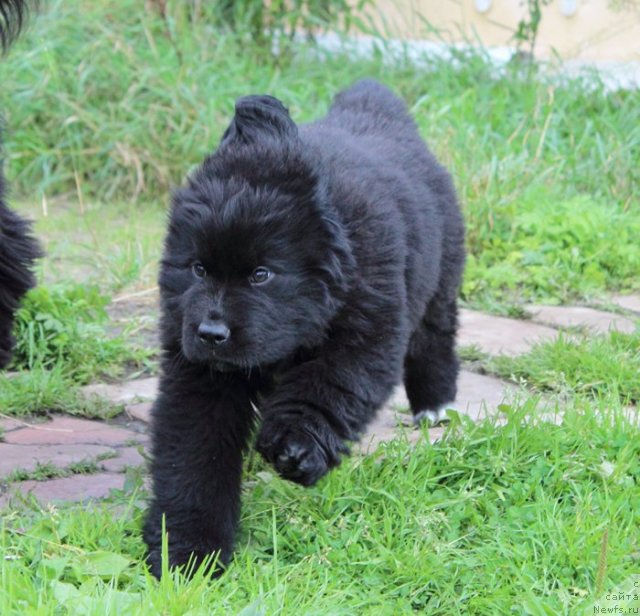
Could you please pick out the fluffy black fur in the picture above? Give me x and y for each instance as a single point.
(18, 249)
(12, 17)
(360, 235)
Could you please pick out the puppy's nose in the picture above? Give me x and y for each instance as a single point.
(213, 332)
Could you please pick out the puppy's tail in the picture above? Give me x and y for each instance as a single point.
(13, 14)
(370, 97)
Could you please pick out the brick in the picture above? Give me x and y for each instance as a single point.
(581, 316)
(398, 400)
(9, 424)
(127, 456)
(499, 335)
(123, 393)
(74, 488)
(28, 457)
(479, 395)
(71, 430)
(628, 302)
(140, 411)
(385, 427)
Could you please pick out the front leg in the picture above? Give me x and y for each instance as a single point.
(323, 402)
(200, 426)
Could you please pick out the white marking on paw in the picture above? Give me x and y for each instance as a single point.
(432, 418)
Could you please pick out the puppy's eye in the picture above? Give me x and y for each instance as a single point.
(260, 275)
(199, 270)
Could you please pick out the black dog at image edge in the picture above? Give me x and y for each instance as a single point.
(18, 249)
(306, 271)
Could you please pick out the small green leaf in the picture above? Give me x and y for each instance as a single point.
(105, 564)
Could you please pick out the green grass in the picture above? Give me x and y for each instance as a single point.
(114, 246)
(51, 471)
(491, 519)
(63, 342)
(39, 391)
(555, 250)
(591, 365)
(66, 325)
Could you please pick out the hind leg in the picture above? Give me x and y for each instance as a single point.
(431, 365)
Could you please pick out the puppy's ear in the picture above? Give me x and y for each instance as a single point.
(257, 117)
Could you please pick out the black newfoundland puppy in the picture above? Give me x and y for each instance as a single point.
(306, 270)
(18, 250)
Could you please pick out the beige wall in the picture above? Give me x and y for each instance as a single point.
(593, 32)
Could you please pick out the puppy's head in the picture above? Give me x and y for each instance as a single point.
(256, 260)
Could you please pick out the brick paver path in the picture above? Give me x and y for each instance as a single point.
(89, 457)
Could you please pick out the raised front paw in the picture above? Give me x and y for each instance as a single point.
(301, 446)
